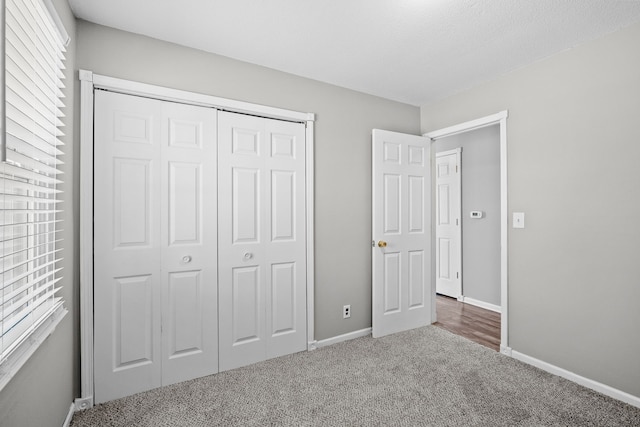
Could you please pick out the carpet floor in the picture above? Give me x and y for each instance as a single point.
(425, 376)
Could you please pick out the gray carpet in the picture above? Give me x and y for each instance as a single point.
(426, 376)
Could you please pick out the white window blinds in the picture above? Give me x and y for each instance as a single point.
(30, 233)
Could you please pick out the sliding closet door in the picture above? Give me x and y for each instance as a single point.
(262, 268)
(155, 272)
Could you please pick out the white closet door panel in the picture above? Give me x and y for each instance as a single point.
(261, 240)
(189, 242)
(155, 244)
(126, 246)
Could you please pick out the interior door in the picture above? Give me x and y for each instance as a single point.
(262, 242)
(448, 223)
(154, 244)
(401, 211)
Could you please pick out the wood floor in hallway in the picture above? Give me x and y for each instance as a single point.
(474, 323)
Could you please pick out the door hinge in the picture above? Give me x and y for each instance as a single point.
(373, 243)
(457, 274)
(457, 221)
(456, 168)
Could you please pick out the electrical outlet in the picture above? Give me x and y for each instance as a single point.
(346, 311)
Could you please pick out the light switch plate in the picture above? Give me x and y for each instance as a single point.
(518, 220)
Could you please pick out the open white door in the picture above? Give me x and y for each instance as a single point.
(401, 211)
(448, 223)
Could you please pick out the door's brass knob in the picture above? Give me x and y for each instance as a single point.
(382, 244)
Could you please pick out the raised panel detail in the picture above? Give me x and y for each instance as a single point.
(283, 293)
(391, 203)
(416, 155)
(416, 279)
(185, 196)
(444, 255)
(443, 170)
(444, 215)
(131, 202)
(282, 205)
(133, 328)
(246, 303)
(391, 152)
(391, 285)
(131, 127)
(416, 204)
(245, 141)
(185, 314)
(245, 187)
(185, 134)
(283, 146)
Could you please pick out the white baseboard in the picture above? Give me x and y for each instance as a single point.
(586, 382)
(344, 337)
(481, 304)
(67, 421)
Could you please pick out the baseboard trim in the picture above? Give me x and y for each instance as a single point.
(583, 381)
(344, 337)
(67, 421)
(481, 304)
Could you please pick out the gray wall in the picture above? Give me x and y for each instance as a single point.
(342, 155)
(573, 150)
(41, 392)
(480, 192)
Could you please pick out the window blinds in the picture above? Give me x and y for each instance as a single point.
(30, 233)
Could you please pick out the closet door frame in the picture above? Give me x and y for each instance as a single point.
(89, 82)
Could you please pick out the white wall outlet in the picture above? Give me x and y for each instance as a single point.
(346, 311)
(476, 214)
(518, 220)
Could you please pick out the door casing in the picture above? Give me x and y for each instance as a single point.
(89, 82)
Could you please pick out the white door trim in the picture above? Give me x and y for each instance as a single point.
(499, 119)
(88, 83)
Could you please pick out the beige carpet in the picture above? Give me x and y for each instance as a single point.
(426, 376)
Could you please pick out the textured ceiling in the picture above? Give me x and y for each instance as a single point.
(413, 51)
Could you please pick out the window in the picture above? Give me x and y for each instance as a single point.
(32, 73)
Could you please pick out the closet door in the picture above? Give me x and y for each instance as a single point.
(155, 273)
(262, 267)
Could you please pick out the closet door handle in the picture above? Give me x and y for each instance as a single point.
(247, 256)
(186, 259)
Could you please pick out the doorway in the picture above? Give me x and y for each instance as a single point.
(494, 235)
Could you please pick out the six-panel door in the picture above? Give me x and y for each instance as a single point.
(155, 275)
(401, 230)
(448, 226)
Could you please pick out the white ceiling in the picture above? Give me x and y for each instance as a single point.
(413, 51)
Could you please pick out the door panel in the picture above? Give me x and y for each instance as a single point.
(262, 239)
(133, 332)
(448, 224)
(127, 277)
(401, 218)
(155, 290)
(188, 242)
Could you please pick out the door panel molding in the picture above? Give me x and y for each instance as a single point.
(89, 82)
